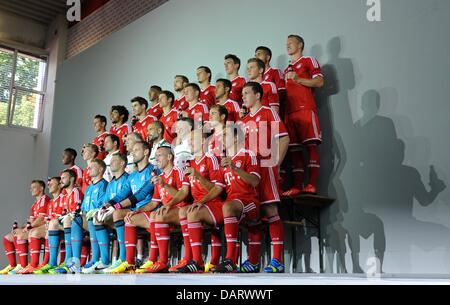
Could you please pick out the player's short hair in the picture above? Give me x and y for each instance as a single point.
(72, 173)
(40, 182)
(169, 95)
(168, 148)
(114, 138)
(102, 118)
(145, 145)
(142, 101)
(299, 39)
(122, 157)
(265, 50)
(256, 88)
(137, 135)
(156, 88)
(226, 83)
(222, 110)
(159, 125)
(190, 121)
(184, 78)
(234, 58)
(207, 70)
(259, 62)
(122, 110)
(55, 178)
(93, 147)
(194, 86)
(100, 163)
(71, 152)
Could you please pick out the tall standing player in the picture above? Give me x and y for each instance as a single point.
(142, 119)
(169, 115)
(232, 64)
(99, 125)
(154, 108)
(119, 118)
(303, 75)
(223, 90)
(179, 83)
(207, 94)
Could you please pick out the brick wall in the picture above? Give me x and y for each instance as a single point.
(113, 16)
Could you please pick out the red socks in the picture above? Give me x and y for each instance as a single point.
(298, 166)
(10, 251)
(130, 243)
(216, 246)
(162, 233)
(313, 164)
(22, 251)
(196, 238)
(187, 243)
(35, 251)
(153, 253)
(231, 225)
(46, 253)
(276, 229)
(254, 243)
(85, 250)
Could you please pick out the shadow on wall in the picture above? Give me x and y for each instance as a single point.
(387, 187)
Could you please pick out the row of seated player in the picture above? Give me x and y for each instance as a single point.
(254, 124)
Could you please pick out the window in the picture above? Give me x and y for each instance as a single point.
(22, 89)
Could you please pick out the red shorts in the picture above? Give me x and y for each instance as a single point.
(215, 211)
(303, 126)
(250, 209)
(269, 185)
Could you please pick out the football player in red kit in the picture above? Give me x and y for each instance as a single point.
(169, 115)
(303, 75)
(141, 119)
(99, 125)
(271, 74)
(232, 64)
(179, 84)
(154, 108)
(223, 89)
(267, 136)
(207, 94)
(119, 118)
(68, 159)
(197, 110)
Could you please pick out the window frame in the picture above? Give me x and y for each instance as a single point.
(13, 88)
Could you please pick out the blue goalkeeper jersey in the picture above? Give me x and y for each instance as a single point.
(94, 196)
(136, 181)
(116, 185)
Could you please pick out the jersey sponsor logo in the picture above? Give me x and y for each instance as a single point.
(238, 164)
(298, 66)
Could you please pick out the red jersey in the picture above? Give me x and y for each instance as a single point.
(237, 188)
(121, 132)
(260, 128)
(208, 95)
(299, 97)
(168, 121)
(176, 179)
(141, 126)
(270, 94)
(55, 207)
(155, 111)
(233, 110)
(180, 103)
(236, 91)
(209, 168)
(79, 172)
(39, 208)
(72, 199)
(198, 112)
(216, 144)
(86, 179)
(100, 142)
(273, 75)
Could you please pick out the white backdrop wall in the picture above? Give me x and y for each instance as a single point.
(384, 109)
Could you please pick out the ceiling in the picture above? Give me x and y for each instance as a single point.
(41, 11)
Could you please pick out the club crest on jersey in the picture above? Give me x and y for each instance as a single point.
(170, 181)
(202, 169)
(95, 191)
(298, 66)
(142, 178)
(258, 119)
(238, 164)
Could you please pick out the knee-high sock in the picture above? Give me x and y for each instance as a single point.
(102, 235)
(153, 254)
(22, 249)
(35, 251)
(53, 242)
(68, 243)
(298, 167)
(216, 246)
(76, 238)
(313, 163)
(231, 225)
(85, 250)
(196, 240)
(276, 228)
(10, 251)
(162, 232)
(120, 230)
(187, 243)
(130, 243)
(254, 243)
(95, 249)
(46, 253)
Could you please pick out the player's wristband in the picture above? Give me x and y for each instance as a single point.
(29, 226)
(118, 206)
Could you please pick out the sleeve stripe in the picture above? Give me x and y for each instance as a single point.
(256, 174)
(280, 135)
(275, 115)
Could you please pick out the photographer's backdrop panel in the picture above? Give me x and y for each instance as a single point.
(383, 111)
